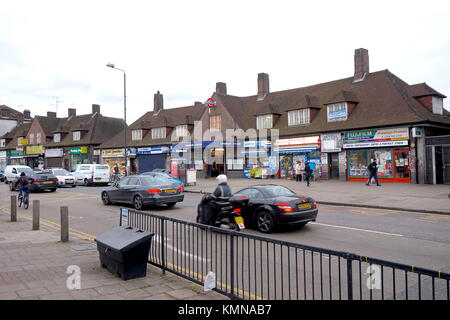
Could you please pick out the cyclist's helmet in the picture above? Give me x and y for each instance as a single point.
(22, 174)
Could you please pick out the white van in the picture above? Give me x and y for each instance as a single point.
(92, 174)
(12, 173)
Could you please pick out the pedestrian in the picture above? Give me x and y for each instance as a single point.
(298, 171)
(373, 170)
(308, 173)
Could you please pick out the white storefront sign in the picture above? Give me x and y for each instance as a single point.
(331, 142)
(54, 153)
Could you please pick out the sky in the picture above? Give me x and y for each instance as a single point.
(53, 54)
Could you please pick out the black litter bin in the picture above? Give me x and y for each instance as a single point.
(124, 251)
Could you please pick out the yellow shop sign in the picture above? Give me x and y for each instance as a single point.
(34, 150)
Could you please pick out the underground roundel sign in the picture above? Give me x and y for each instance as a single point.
(211, 103)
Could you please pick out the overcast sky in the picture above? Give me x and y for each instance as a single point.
(60, 49)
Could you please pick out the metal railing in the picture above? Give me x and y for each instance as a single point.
(259, 268)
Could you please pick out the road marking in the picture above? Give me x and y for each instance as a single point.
(175, 249)
(357, 229)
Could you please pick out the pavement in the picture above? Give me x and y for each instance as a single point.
(34, 265)
(394, 196)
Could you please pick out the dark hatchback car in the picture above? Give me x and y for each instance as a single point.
(41, 180)
(142, 190)
(271, 205)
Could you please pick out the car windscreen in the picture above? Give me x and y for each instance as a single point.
(27, 171)
(155, 180)
(61, 172)
(279, 191)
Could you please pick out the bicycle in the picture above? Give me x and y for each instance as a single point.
(114, 178)
(24, 197)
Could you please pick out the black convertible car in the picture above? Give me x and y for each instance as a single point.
(271, 205)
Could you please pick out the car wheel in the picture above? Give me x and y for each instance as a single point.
(138, 202)
(265, 222)
(86, 182)
(73, 186)
(105, 199)
(171, 204)
(53, 190)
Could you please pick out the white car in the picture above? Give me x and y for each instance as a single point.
(12, 173)
(88, 174)
(65, 178)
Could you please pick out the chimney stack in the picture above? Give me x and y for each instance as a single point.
(361, 64)
(263, 86)
(158, 102)
(221, 87)
(51, 114)
(198, 104)
(26, 114)
(71, 112)
(96, 108)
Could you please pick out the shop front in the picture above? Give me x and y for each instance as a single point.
(304, 149)
(54, 158)
(34, 156)
(3, 160)
(258, 159)
(114, 157)
(331, 149)
(78, 155)
(388, 147)
(151, 158)
(16, 157)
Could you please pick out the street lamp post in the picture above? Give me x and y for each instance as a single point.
(111, 65)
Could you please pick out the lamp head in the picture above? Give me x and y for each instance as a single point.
(110, 65)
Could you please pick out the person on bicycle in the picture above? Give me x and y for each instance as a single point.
(24, 184)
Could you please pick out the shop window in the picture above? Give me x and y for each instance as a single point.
(384, 161)
(357, 163)
(159, 133)
(57, 137)
(215, 122)
(298, 117)
(76, 136)
(401, 163)
(264, 122)
(359, 160)
(337, 111)
(136, 135)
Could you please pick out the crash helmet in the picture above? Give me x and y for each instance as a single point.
(221, 178)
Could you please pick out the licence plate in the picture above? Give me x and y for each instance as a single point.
(97, 179)
(48, 182)
(169, 190)
(305, 206)
(240, 222)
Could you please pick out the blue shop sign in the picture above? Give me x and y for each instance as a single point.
(152, 150)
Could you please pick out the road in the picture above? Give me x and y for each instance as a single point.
(404, 237)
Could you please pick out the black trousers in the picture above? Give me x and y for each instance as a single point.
(298, 177)
(372, 175)
(307, 180)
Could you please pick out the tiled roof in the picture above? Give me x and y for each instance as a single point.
(19, 131)
(422, 89)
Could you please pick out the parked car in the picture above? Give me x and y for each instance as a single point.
(162, 172)
(65, 179)
(142, 190)
(39, 181)
(12, 173)
(271, 205)
(88, 174)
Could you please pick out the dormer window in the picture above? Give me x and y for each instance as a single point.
(438, 105)
(2, 143)
(76, 135)
(182, 130)
(298, 117)
(136, 135)
(57, 137)
(264, 121)
(19, 141)
(159, 133)
(337, 112)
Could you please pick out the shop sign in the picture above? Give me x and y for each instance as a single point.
(298, 141)
(337, 115)
(54, 153)
(152, 150)
(79, 150)
(34, 149)
(15, 153)
(23, 142)
(211, 103)
(376, 138)
(257, 144)
(96, 152)
(331, 142)
(112, 153)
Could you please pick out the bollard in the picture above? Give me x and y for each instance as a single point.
(36, 213)
(64, 224)
(13, 208)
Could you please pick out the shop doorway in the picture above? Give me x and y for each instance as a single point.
(442, 164)
(217, 167)
(333, 165)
